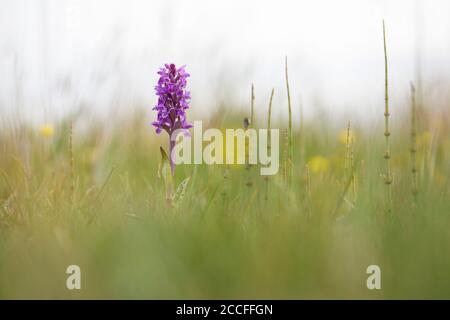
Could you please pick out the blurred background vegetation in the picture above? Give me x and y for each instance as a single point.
(236, 234)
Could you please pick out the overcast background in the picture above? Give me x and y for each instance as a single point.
(58, 55)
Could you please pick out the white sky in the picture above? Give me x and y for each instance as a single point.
(104, 54)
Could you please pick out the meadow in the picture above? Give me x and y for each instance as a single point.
(93, 194)
(95, 199)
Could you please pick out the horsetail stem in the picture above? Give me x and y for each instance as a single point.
(291, 147)
(249, 182)
(269, 147)
(387, 155)
(415, 187)
(249, 124)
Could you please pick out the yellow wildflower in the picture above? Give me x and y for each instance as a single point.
(319, 164)
(47, 131)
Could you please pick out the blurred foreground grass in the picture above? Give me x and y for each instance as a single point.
(225, 240)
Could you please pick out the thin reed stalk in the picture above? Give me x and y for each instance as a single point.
(249, 181)
(413, 150)
(387, 155)
(291, 147)
(269, 135)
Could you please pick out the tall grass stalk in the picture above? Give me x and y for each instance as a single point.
(387, 155)
(249, 124)
(269, 146)
(413, 150)
(291, 147)
(249, 181)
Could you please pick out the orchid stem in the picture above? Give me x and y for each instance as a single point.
(172, 164)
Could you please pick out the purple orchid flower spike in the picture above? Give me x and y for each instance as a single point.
(173, 101)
